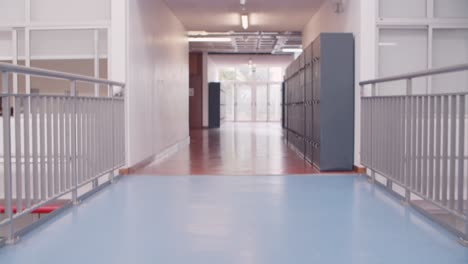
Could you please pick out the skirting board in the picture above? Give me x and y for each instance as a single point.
(169, 151)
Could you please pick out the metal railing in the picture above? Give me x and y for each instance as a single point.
(419, 142)
(53, 145)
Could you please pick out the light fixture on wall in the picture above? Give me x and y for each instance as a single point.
(339, 8)
(245, 21)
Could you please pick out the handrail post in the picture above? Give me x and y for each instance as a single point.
(6, 112)
(409, 91)
(373, 93)
(110, 93)
(74, 175)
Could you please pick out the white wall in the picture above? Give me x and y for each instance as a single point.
(350, 20)
(157, 83)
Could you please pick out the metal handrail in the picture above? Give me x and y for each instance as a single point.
(406, 139)
(6, 67)
(436, 71)
(72, 117)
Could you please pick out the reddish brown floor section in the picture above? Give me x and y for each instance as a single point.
(234, 149)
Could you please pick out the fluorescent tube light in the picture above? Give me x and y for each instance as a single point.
(382, 44)
(243, 2)
(295, 50)
(209, 39)
(245, 21)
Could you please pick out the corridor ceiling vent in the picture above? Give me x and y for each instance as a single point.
(263, 42)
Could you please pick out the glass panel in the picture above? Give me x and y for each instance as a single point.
(395, 46)
(70, 10)
(276, 74)
(52, 49)
(12, 11)
(229, 100)
(261, 74)
(56, 44)
(403, 8)
(451, 8)
(227, 74)
(244, 102)
(261, 103)
(244, 74)
(450, 47)
(6, 47)
(274, 103)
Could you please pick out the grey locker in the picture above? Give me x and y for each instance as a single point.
(319, 102)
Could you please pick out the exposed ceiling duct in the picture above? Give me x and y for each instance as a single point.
(246, 42)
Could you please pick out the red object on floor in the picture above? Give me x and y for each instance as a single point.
(46, 209)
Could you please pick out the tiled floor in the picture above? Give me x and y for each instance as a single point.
(261, 220)
(235, 149)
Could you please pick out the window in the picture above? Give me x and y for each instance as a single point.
(402, 51)
(451, 8)
(450, 47)
(403, 8)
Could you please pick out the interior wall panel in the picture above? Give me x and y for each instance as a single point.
(157, 85)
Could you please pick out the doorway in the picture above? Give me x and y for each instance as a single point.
(252, 101)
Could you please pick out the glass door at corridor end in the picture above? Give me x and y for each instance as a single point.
(253, 102)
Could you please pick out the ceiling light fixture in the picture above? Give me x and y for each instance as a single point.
(292, 50)
(245, 21)
(243, 2)
(210, 39)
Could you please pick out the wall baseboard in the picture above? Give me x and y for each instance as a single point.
(167, 152)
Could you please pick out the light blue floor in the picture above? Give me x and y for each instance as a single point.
(220, 220)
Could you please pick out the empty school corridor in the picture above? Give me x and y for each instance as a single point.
(234, 131)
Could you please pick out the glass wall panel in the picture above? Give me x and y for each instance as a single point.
(244, 102)
(227, 74)
(70, 10)
(261, 102)
(451, 8)
(228, 88)
(276, 74)
(450, 47)
(12, 11)
(261, 74)
(403, 8)
(274, 102)
(402, 51)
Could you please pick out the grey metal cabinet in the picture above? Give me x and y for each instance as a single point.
(320, 102)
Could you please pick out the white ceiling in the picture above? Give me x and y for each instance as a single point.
(224, 15)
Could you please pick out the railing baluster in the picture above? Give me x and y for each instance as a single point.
(424, 155)
(445, 150)
(27, 158)
(50, 178)
(461, 154)
(79, 140)
(35, 150)
(68, 172)
(42, 132)
(438, 147)
(74, 120)
(431, 155)
(63, 155)
(453, 152)
(407, 161)
(56, 145)
(7, 155)
(18, 156)
(419, 143)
